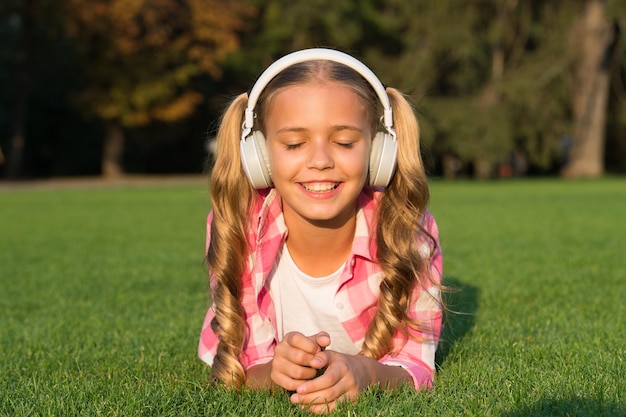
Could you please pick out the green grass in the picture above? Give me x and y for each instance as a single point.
(103, 292)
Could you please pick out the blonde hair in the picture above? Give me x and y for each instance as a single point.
(231, 195)
(399, 218)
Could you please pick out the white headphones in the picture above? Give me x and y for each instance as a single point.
(253, 147)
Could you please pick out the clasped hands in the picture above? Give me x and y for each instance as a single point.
(297, 361)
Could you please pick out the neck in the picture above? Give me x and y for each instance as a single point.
(320, 250)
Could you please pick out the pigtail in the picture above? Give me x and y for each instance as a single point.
(399, 217)
(231, 195)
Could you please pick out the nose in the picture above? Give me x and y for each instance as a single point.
(320, 156)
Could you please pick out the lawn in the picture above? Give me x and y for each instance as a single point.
(103, 292)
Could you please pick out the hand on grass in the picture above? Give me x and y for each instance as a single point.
(297, 359)
(344, 379)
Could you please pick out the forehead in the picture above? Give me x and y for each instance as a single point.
(317, 103)
(319, 90)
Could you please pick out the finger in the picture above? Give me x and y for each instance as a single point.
(324, 408)
(300, 341)
(322, 339)
(293, 366)
(286, 382)
(320, 402)
(319, 398)
(295, 348)
(323, 382)
(320, 360)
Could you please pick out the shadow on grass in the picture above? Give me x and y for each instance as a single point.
(461, 303)
(580, 407)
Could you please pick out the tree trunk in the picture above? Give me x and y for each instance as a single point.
(483, 169)
(113, 151)
(594, 36)
(17, 141)
(450, 166)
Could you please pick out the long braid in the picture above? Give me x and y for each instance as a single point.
(399, 214)
(231, 195)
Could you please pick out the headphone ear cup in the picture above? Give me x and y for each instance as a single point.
(255, 161)
(382, 159)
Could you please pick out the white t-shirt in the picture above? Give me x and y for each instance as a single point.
(306, 304)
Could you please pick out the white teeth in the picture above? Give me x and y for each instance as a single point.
(318, 188)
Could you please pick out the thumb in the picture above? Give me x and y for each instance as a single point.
(320, 360)
(322, 339)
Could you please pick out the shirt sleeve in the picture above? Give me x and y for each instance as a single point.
(260, 339)
(258, 348)
(417, 356)
(208, 340)
(260, 333)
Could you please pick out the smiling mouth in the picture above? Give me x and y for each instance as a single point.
(320, 187)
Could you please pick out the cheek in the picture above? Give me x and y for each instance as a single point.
(356, 163)
(272, 154)
(281, 161)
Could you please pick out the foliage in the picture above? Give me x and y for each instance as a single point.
(489, 78)
(104, 291)
(141, 56)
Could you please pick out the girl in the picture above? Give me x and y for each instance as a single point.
(325, 265)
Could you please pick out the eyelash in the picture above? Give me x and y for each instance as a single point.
(291, 147)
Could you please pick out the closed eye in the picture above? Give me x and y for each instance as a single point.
(292, 146)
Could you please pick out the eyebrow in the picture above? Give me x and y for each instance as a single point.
(336, 128)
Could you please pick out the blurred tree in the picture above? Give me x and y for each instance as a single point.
(452, 58)
(496, 78)
(23, 15)
(283, 26)
(35, 118)
(141, 56)
(594, 38)
(452, 52)
(616, 120)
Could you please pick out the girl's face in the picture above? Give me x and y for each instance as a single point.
(318, 139)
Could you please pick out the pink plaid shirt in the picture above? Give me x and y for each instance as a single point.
(355, 299)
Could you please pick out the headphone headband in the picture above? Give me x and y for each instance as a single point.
(311, 55)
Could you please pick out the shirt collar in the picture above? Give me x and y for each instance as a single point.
(270, 221)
